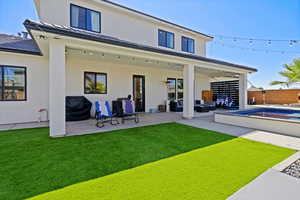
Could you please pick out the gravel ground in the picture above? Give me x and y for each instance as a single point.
(293, 169)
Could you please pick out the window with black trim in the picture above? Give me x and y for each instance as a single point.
(171, 88)
(85, 19)
(188, 45)
(179, 88)
(12, 83)
(95, 83)
(166, 39)
(175, 89)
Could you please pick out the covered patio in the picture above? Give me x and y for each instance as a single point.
(89, 127)
(70, 50)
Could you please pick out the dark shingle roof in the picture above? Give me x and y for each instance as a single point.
(16, 44)
(71, 32)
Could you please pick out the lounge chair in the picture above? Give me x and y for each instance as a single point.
(129, 111)
(104, 114)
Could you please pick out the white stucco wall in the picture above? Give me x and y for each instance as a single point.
(37, 89)
(117, 23)
(119, 84)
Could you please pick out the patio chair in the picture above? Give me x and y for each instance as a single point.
(129, 111)
(176, 106)
(104, 114)
(199, 106)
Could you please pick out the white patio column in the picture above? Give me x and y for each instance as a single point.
(243, 93)
(57, 88)
(188, 95)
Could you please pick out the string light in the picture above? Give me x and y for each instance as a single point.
(269, 42)
(255, 40)
(255, 49)
(250, 41)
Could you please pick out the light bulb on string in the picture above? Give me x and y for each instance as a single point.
(250, 41)
(269, 42)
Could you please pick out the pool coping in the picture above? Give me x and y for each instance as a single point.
(280, 126)
(231, 113)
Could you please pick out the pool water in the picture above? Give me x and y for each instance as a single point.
(272, 113)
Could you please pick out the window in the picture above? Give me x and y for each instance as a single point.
(175, 89)
(180, 88)
(165, 39)
(188, 45)
(86, 19)
(12, 83)
(95, 83)
(171, 88)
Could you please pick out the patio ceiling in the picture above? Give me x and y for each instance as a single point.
(144, 62)
(122, 59)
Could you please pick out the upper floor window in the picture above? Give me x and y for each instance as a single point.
(86, 19)
(12, 83)
(165, 39)
(188, 45)
(95, 83)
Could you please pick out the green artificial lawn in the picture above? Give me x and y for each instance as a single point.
(32, 163)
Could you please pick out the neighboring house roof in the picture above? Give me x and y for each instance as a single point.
(16, 44)
(71, 32)
(156, 18)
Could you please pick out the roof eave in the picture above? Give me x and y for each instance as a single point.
(20, 51)
(38, 27)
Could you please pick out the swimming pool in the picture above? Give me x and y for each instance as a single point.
(271, 113)
(283, 121)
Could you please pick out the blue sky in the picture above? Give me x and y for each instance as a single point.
(270, 19)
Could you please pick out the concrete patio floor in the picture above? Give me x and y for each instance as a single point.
(146, 119)
(89, 126)
(201, 120)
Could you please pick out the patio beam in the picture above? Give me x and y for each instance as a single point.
(188, 99)
(57, 88)
(243, 93)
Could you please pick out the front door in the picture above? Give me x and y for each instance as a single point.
(139, 92)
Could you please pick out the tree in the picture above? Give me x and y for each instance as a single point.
(291, 74)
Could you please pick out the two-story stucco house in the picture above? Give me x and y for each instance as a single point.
(102, 50)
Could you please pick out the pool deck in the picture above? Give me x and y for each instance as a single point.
(207, 122)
